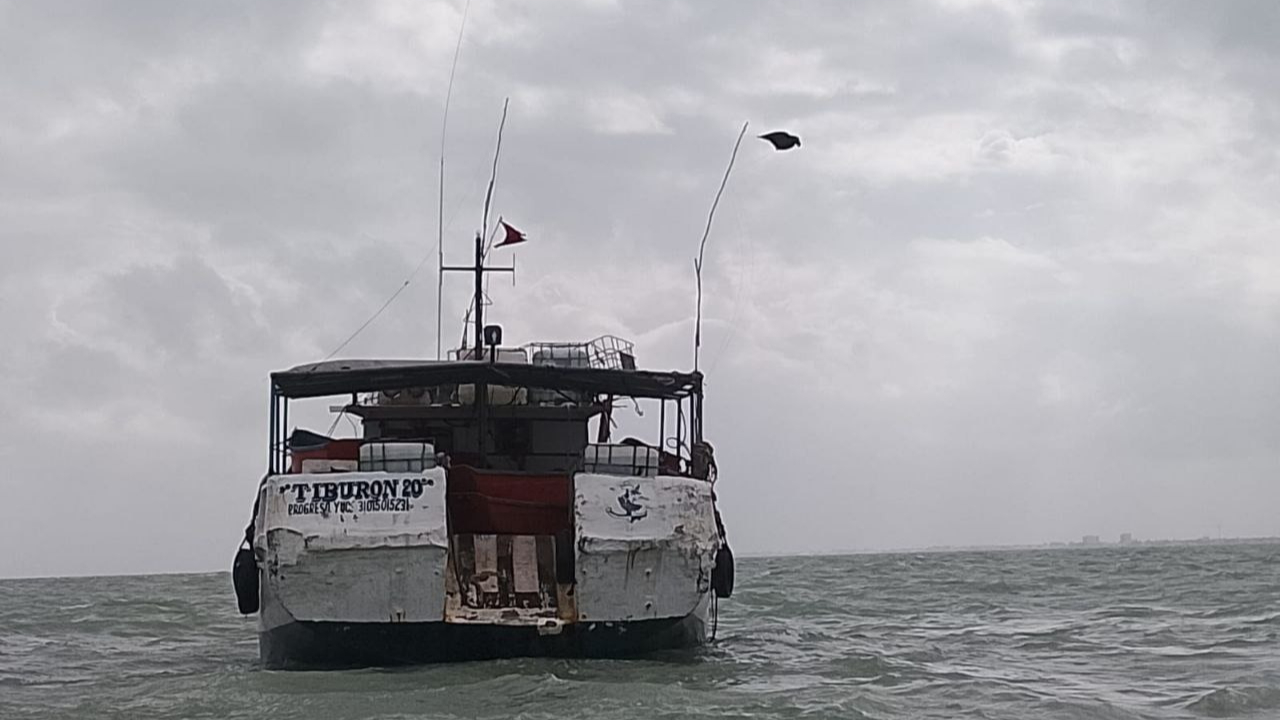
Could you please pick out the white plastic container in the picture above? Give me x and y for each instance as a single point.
(325, 465)
(575, 356)
(565, 356)
(505, 355)
(617, 459)
(406, 396)
(498, 394)
(402, 457)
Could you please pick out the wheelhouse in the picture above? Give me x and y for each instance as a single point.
(511, 429)
(500, 413)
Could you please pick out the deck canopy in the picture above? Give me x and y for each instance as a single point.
(341, 377)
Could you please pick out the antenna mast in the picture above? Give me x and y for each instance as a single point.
(697, 263)
(493, 177)
(478, 269)
(444, 126)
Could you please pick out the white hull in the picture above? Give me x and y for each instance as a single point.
(365, 568)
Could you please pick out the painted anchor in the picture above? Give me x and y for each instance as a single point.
(629, 501)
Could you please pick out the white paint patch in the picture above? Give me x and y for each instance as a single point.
(487, 562)
(355, 547)
(645, 546)
(524, 563)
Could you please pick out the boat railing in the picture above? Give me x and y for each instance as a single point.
(608, 352)
(620, 459)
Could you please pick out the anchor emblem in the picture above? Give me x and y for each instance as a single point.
(630, 502)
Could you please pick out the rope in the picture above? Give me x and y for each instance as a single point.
(715, 615)
(375, 315)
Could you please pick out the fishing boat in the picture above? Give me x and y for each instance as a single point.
(484, 509)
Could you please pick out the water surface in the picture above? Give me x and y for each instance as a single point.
(1133, 632)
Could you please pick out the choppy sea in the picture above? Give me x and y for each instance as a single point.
(1119, 632)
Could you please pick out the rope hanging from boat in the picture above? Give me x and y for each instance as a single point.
(715, 615)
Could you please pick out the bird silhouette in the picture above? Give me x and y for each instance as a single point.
(781, 140)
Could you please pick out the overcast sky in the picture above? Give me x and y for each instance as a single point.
(1021, 283)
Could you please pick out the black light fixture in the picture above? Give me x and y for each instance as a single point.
(493, 338)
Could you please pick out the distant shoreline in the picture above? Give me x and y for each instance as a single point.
(1075, 545)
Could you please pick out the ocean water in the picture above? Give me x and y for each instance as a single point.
(1133, 632)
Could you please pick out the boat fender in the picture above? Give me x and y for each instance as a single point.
(244, 575)
(722, 573)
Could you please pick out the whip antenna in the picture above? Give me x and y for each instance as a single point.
(444, 126)
(697, 263)
(493, 177)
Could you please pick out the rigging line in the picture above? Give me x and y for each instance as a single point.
(399, 290)
(444, 126)
(702, 246)
(338, 419)
(476, 183)
(440, 224)
(378, 312)
(466, 316)
(471, 308)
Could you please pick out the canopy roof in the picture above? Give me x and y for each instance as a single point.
(340, 377)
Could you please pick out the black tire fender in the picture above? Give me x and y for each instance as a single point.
(244, 576)
(722, 573)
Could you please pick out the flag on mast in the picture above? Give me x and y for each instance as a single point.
(512, 237)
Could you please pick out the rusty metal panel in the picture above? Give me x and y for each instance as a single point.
(502, 580)
(486, 564)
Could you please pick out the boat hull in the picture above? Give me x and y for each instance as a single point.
(316, 645)
(390, 578)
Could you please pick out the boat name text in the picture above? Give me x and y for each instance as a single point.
(348, 496)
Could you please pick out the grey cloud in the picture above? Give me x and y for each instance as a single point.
(1017, 285)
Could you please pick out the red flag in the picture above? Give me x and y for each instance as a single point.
(513, 236)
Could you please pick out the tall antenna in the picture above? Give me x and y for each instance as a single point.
(697, 264)
(493, 177)
(444, 126)
(475, 314)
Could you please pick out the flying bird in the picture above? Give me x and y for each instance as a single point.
(781, 140)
